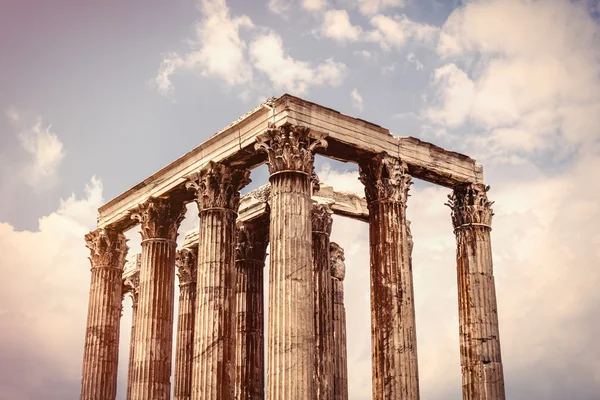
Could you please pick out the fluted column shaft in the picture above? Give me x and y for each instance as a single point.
(323, 317)
(217, 188)
(132, 284)
(481, 360)
(160, 219)
(340, 353)
(250, 261)
(393, 326)
(100, 357)
(291, 342)
(187, 264)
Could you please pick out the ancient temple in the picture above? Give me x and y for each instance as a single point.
(220, 336)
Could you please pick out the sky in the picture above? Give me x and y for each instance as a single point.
(96, 96)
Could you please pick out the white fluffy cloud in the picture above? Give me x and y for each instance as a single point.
(269, 57)
(533, 83)
(336, 25)
(43, 292)
(42, 145)
(395, 32)
(218, 49)
(357, 100)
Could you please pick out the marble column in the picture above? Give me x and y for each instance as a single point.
(291, 343)
(132, 283)
(481, 361)
(217, 188)
(323, 317)
(160, 219)
(340, 354)
(251, 251)
(187, 265)
(100, 357)
(393, 328)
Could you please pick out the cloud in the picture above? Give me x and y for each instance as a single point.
(395, 32)
(269, 57)
(413, 62)
(532, 85)
(44, 294)
(357, 100)
(284, 8)
(218, 50)
(336, 25)
(370, 7)
(42, 145)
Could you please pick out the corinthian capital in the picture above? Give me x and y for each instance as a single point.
(160, 218)
(218, 186)
(321, 218)
(108, 248)
(385, 178)
(131, 285)
(289, 148)
(470, 205)
(252, 240)
(338, 267)
(187, 265)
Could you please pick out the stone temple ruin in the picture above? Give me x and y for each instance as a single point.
(219, 349)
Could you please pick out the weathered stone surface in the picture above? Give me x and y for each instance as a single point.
(323, 318)
(291, 292)
(108, 250)
(340, 354)
(187, 267)
(159, 218)
(217, 188)
(393, 327)
(251, 251)
(131, 283)
(481, 360)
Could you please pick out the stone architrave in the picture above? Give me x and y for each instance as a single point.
(291, 343)
(217, 189)
(321, 231)
(481, 361)
(132, 283)
(251, 251)
(393, 327)
(187, 265)
(340, 354)
(108, 250)
(160, 219)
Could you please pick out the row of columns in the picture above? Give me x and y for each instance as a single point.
(302, 296)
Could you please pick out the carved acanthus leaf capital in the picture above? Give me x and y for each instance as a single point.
(108, 248)
(252, 240)
(187, 265)
(385, 178)
(159, 218)
(289, 148)
(321, 217)
(218, 186)
(470, 205)
(337, 258)
(131, 285)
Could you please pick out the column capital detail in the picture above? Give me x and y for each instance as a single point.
(252, 240)
(289, 148)
(159, 217)
(108, 247)
(338, 267)
(131, 285)
(385, 178)
(470, 206)
(187, 265)
(321, 216)
(218, 185)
